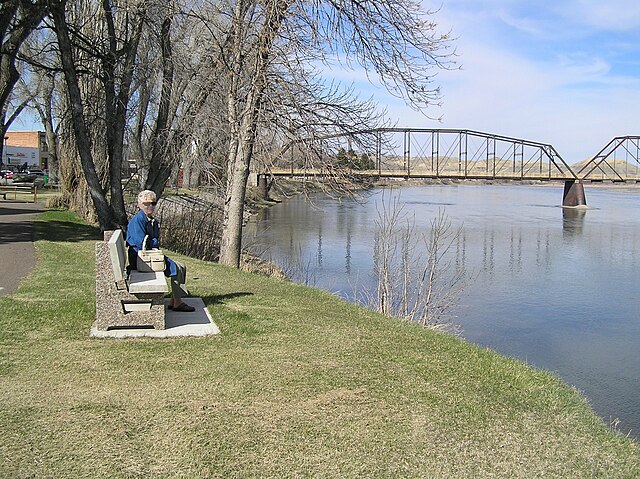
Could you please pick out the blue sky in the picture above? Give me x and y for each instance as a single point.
(565, 72)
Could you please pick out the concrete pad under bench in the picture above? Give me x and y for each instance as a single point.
(177, 324)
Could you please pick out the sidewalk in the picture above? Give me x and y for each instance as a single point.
(17, 260)
(17, 251)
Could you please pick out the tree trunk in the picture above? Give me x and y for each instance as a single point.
(159, 167)
(83, 142)
(244, 125)
(52, 146)
(46, 116)
(238, 174)
(116, 105)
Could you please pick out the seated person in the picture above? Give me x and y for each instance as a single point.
(142, 224)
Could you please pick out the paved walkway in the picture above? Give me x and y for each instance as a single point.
(17, 260)
(17, 251)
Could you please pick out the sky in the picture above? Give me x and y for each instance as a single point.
(564, 72)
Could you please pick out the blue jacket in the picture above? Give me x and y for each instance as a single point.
(139, 227)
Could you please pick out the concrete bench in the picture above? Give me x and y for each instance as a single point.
(121, 301)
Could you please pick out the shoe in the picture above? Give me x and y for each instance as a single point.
(183, 308)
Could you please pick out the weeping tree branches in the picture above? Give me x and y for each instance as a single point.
(395, 41)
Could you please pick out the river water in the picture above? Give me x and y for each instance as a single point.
(554, 287)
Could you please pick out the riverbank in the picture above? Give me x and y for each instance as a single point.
(478, 182)
(299, 384)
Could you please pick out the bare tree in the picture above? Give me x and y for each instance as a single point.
(109, 51)
(392, 39)
(44, 102)
(81, 128)
(41, 86)
(158, 170)
(415, 277)
(18, 19)
(178, 122)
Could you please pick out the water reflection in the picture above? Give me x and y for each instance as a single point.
(491, 244)
(553, 286)
(347, 256)
(319, 253)
(515, 251)
(573, 221)
(500, 248)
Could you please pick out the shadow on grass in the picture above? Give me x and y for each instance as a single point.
(16, 232)
(8, 209)
(66, 231)
(220, 299)
(16, 222)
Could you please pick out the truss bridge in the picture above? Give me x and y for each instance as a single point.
(467, 155)
(618, 161)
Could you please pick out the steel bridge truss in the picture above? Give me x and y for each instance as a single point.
(618, 161)
(466, 154)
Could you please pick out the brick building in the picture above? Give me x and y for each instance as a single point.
(25, 147)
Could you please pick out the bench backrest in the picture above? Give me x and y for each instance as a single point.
(118, 254)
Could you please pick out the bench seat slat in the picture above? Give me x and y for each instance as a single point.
(147, 282)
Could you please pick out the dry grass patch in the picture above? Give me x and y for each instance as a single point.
(299, 384)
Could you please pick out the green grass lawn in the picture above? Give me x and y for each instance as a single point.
(299, 384)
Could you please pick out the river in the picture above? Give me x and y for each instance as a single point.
(554, 287)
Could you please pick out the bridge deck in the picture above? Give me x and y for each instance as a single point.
(432, 175)
(454, 154)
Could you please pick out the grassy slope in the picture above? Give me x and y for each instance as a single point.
(299, 384)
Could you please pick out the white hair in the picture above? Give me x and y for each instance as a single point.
(146, 194)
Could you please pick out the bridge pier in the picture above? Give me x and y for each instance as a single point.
(262, 183)
(574, 194)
